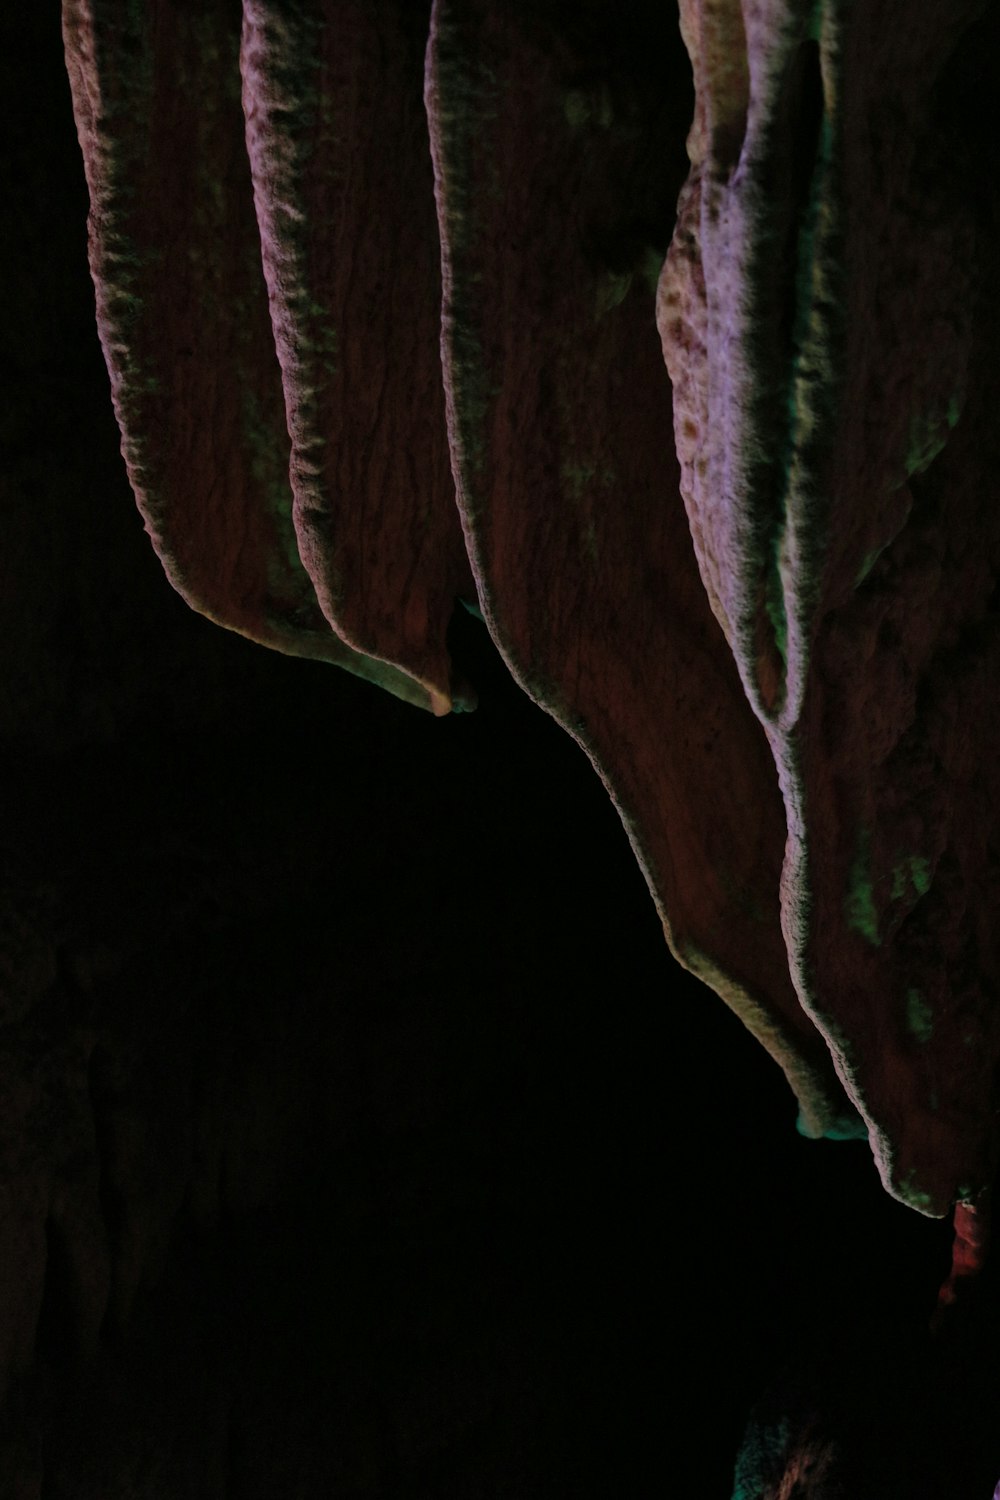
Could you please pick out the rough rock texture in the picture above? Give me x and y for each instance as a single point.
(569, 487)
(336, 1121)
(343, 184)
(182, 311)
(828, 313)
(774, 635)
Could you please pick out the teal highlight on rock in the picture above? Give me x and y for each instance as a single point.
(859, 903)
(919, 1016)
(914, 873)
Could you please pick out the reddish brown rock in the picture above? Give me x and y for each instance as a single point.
(828, 316)
(183, 316)
(783, 710)
(214, 1039)
(343, 184)
(552, 198)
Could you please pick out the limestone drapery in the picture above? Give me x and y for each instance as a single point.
(749, 567)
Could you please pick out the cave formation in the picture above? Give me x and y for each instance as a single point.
(408, 314)
(824, 311)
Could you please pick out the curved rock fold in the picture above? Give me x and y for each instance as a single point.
(773, 629)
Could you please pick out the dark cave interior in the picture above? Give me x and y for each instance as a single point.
(359, 1136)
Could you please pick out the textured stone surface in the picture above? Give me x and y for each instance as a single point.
(183, 315)
(828, 315)
(558, 413)
(774, 645)
(343, 184)
(315, 1178)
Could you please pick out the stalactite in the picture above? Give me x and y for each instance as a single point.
(772, 627)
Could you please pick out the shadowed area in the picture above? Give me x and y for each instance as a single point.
(358, 1134)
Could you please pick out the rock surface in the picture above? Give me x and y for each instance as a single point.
(778, 678)
(182, 311)
(569, 487)
(333, 1160)
(828, 314)
(343, 185)
(774, 645)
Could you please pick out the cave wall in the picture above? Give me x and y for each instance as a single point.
(335, 1159)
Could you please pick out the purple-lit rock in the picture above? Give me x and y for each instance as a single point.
(775, 633)
(828, 316)
(182, 309)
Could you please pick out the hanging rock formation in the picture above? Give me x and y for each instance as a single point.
(344, 192)
(771, 624)
(568, 485)
(193, 328)
(828, 314)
